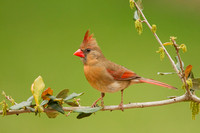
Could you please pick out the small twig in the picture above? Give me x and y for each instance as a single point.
(9, 98)
(183, 78)
(68, 113)
(77, 101)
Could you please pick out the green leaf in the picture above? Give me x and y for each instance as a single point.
(178, 63)
(63, 94)
(56, 106)
(52, 114)
(196, 83)
(88, 110)
(165, 73)
(51, 97)
(44, 102)
(85, 112)
(21, 105)
(139, 3)
(30, 99)
(83, 115)
(73, 104)
(73, 95)
(136, 15)
(191, 75)
(31, 109)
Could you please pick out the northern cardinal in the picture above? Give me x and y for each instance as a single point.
(104, 75)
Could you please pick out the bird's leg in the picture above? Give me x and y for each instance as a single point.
(102, 103)
(121, 104)
(101, 98)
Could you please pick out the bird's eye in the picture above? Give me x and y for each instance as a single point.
(88, 50)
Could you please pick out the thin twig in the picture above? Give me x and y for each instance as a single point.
(159, 41)
(9, 98)
(183, 78)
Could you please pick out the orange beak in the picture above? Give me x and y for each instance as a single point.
(79, 53)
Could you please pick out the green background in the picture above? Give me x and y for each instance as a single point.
(39, 38)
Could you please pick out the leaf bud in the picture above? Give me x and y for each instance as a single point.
(138, 26)
(154, 28)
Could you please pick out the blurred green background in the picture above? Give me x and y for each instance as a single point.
(39, 38)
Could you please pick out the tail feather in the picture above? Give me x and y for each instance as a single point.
(154, 82)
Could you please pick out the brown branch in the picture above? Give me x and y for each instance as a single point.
(113, 107)
(183, 78)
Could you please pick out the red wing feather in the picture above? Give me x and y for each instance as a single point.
(123, 74)
(128, 74)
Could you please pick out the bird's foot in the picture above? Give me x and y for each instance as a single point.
(121, 106)
(95, 103)
(101, 98)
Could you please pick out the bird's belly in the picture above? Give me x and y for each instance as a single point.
(109, 87)
(117, 86)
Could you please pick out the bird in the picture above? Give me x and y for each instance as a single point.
(107, 76)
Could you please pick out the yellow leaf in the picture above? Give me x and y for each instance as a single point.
(168, 43)
(183, 47)
(162, 53)
(37, 88)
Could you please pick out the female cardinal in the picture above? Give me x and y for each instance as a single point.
(105, 75)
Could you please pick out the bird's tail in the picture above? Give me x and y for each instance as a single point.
(154, 82)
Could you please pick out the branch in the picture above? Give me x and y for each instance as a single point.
(159, 41)
(183, 78)
(113, 107)
(180, 74)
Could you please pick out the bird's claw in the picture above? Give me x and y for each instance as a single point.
(96, 105)
(121, 106)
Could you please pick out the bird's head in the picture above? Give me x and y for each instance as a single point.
(89, 50)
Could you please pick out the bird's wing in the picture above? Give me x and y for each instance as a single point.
(121, 73)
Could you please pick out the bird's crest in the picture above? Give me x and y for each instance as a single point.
(87, 37)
